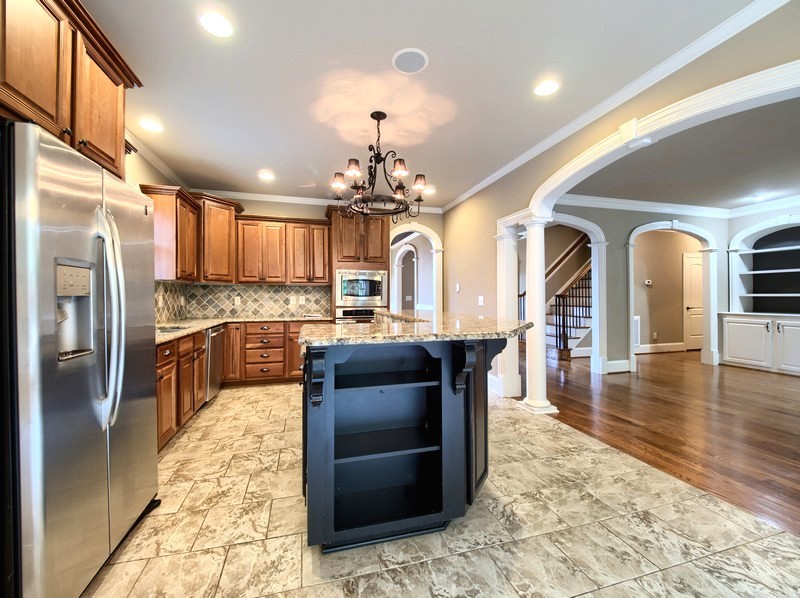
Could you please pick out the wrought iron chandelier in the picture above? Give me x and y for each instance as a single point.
(365, 202)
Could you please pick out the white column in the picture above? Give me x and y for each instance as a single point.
(631, 308)
(438, 301)
(508, 382)
(710, 352)
(536, 309)
(599, 359)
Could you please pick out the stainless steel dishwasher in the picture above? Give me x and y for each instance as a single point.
(215, 341)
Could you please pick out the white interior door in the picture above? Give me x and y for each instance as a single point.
(692, 301)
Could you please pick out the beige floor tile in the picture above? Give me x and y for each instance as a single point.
(478, 528)
(160, 535)
(217, 492)
(262, 425)
(748, 573)
(260, 568)
(190, 450)
(238, 444)
(536, 567)
(523, 515)
(114, 580)
(739, 516)
(283, 440)
(201, 469)
(326, 590)
(320, 568)
(407, 551)
(194, 574)
(172, 496)
(782, 549)
(575, 505)
(234, 525)
(516, 478)
(267, 485)
(290, 458)
(640, 490)
(226, 429)
(684, 581)
(250, 463)
(288, 516)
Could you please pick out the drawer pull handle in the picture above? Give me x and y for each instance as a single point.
(265, 370)
(265, 355)
(167, 352)
(67, 131)
(265, 328)
(264, 341)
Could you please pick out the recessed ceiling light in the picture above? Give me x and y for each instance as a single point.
(410, 60)
(266, 175)
(760, 197)
(151, 124)
(546, 87)
(216, 24)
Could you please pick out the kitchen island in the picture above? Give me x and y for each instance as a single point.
(395, 423)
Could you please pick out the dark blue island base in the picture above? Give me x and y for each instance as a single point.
(394, 437)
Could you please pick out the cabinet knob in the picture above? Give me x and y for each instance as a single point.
(161, 377)
(265, 355)
(67, 131)
(265, 370)
(167, 352)
(83, 142)
(265, 328)
(264, 341)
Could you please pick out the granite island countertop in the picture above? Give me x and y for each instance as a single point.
(410, 327)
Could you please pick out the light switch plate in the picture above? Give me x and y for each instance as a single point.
(480, 299)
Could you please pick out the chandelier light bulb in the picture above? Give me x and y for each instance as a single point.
(353, 168)
(419, 182)
(338, 181)
(399, 169)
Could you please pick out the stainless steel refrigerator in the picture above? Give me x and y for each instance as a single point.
(78, 363)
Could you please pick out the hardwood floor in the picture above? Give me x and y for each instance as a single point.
(730, 431)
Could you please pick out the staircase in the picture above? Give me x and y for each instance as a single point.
(569, 317)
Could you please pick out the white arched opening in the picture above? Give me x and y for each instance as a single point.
(710, 351)
(398, 290)
(436, 251)
(759, 89)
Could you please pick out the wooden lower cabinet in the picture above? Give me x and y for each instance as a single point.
(294, 352)
(185, 382)
(200, 370)
(231, 370)
(166, 393)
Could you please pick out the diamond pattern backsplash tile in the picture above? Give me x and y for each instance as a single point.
(256, 301)
(170, 301)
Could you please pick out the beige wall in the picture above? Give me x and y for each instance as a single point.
(139, 171)
(658, 256)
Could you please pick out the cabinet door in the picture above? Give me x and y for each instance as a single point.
(348, 238)
(219, 242)
(249, 251)
(274, 257)
(166, 396)
(787, 346)
(233, 352)
(747, 341)
(200, 378)
(186, 241)
(297, 253)
(185, 388)
(293, 352)
(319, 246)
(98, 109)
(36, 62)
(376, 240)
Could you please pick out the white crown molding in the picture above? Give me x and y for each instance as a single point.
(657, 207)
(313, 201)
(148, 154)
(746, 17)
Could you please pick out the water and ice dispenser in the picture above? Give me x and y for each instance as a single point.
(74, 311)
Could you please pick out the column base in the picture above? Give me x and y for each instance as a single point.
(537, 408)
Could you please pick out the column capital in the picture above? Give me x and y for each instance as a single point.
(709, 250)
(598, 244)
(437, 250)
(506, 237)
(536, 223)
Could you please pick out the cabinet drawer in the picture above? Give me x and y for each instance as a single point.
(258, 341)
(263, 356)
(264, 328)
(185, 345)
(294, 327)
(199, 340)
(263, 370)
(165, 352)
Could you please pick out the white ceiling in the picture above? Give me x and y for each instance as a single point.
(292, 90)
(726, 163)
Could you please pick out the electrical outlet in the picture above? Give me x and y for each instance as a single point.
(301, 300)
(480, 300)
(409, 298)
(458, 287)
(183, 301)
(237, 300)
(160, 301)
(655, 336)
(292, 300)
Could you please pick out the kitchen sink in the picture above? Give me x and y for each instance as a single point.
(171, 329)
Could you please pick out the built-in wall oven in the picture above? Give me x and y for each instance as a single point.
(361, 288)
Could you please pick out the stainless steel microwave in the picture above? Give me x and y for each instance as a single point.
(361, 288)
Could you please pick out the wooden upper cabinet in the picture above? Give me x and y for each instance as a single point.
(307, 253)
(359, 243)
(218, 234)
(36, 63)
(175, 228)
(60, 71)
(261, 251)
(376, 240)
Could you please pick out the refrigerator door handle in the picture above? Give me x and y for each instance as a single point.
(121, 321)
(104, 233)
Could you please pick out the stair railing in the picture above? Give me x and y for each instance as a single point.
(571, 309)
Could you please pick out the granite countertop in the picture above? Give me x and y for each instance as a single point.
(409, 327)
(191, 326)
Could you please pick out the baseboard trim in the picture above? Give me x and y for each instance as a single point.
(503, 386)
(582, 352)
(660, 348)
(618, 366)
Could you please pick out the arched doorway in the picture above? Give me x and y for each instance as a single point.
(430, 275)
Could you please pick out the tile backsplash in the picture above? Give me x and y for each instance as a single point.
(176, 301)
